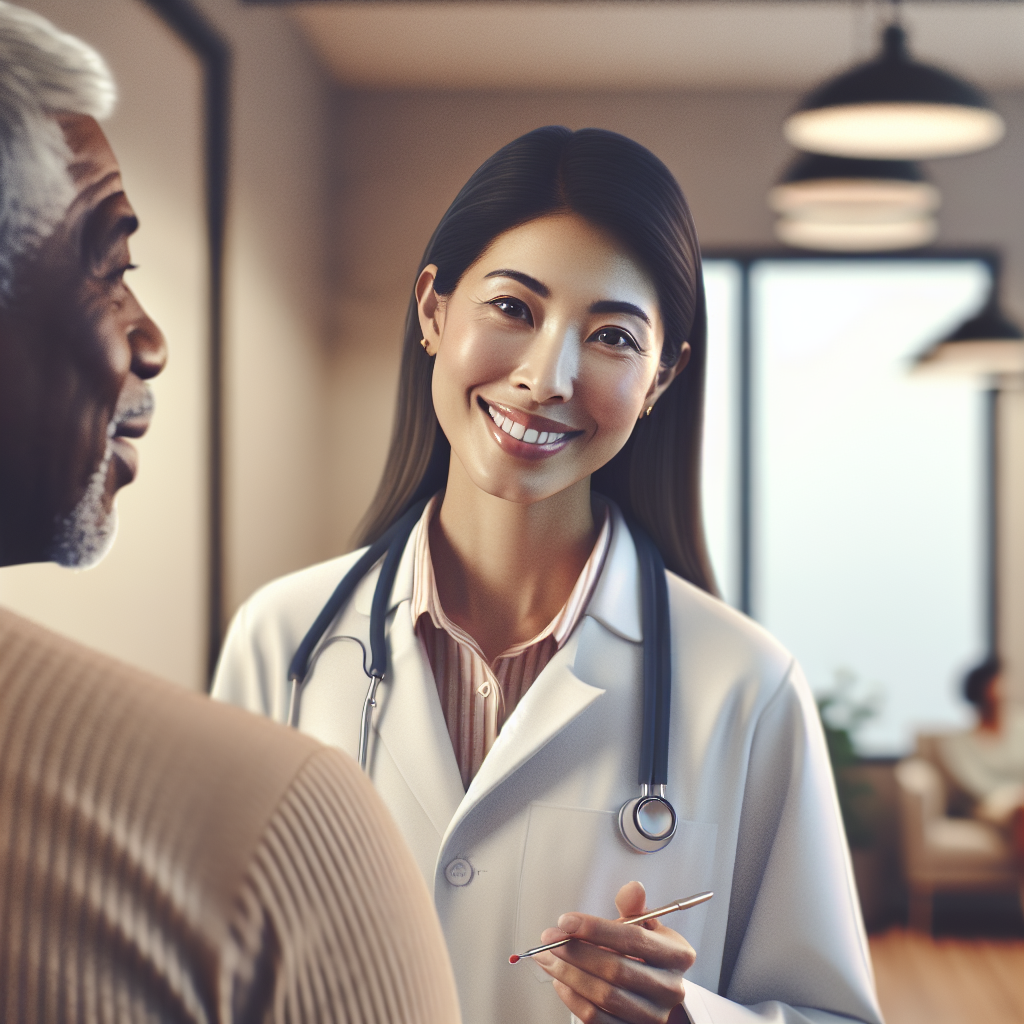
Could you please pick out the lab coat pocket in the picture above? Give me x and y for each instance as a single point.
(576, 859)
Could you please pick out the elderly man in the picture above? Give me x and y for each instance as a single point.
(162, 857)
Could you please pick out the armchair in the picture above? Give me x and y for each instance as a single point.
(944, 853)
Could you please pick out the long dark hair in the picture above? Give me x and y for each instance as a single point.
(617, 185)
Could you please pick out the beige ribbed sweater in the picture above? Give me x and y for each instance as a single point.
(167, 858)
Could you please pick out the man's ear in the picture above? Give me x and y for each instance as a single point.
(431, 309)
(667, 374)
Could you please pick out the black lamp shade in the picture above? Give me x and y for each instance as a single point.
(863, 189)
(841, 204)
(893, 77)
(986, 345)
(894, 106)
(991, 324)
(818, 166)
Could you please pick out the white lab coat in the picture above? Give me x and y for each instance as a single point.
(782, 940)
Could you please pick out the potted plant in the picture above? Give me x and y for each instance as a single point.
(844, 710)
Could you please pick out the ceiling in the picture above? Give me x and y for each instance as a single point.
(618, 45)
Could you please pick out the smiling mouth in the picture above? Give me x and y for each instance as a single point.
(131, 420)
(524, 432)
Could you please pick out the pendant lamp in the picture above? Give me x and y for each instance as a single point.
(872, 189)
(852, 236)
(841, 204)
(894, 108)
(987, 345)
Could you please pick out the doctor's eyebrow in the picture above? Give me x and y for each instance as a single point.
(611, 306)
(531, 282)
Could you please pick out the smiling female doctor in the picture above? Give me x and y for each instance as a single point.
(552, 387)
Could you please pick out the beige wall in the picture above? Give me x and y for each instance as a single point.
(276, 458)
(400, 157)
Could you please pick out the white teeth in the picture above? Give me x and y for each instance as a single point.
(519, 430)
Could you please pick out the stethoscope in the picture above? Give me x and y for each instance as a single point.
(648, 821)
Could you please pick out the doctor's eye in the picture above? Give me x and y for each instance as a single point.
(513, 308)
(615, 337)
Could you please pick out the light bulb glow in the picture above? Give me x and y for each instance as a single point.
(895, 131)
(856, 236)
(873, 196)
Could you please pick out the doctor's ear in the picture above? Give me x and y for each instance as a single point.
(664, 377)
(431, 309)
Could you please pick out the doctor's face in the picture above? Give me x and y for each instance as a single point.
(547, 352)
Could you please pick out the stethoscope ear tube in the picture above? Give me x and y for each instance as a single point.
(392, 540)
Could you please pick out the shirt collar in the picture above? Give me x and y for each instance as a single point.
(615, 601)
(425, 600)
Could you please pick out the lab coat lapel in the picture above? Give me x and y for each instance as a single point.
(410, 722)
(555, 699)
(412, 727)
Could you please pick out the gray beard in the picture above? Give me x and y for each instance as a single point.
(87, 532)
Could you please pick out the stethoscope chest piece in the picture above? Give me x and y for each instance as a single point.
(647, 823)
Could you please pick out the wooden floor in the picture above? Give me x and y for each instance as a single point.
(922, 980)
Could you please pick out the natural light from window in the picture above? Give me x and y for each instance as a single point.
(867, 484)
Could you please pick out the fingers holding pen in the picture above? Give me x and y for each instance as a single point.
(608, 970)
(652, 942)
(630, 970)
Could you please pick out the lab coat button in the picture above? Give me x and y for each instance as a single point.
(459, 872)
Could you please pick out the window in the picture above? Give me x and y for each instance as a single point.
(845, 498)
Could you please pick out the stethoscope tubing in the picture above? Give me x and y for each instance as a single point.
(657, 656)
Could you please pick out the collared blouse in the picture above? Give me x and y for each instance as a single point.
(477, 696)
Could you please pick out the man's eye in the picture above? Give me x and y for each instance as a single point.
(615, 337)
(115, 276)
(513, 308)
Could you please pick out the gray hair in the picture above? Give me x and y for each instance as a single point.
(43, 71)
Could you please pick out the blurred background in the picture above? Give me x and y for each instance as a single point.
(864, 455)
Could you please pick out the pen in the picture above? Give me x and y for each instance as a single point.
(669, 908)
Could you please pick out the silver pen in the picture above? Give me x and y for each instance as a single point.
(669, 908)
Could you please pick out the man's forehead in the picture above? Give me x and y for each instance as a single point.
(93, 164)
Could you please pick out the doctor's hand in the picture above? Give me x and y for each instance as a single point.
(619, 972)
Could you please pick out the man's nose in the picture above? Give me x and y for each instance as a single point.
(149, 348)
(550, 364)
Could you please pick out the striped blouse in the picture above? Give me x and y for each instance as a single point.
(478, 697)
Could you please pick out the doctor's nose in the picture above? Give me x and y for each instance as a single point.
(549, 366)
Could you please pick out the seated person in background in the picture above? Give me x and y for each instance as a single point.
(162, 857)
(988, 760)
